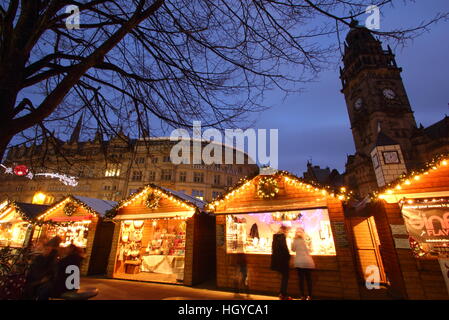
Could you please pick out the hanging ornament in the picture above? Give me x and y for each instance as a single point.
(69, 209)
(152, 201)
(20, 170)
(267, 187)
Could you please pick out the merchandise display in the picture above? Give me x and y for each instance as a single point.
(13, 234)
(156, 246)
(253, 233)
(73, 233)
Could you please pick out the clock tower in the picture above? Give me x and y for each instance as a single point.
(374, 93)
(375, 98)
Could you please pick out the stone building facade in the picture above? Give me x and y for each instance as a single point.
(112, 169)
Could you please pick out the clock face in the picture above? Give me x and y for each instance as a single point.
(391, 157)
(389, 93)
(358, 104)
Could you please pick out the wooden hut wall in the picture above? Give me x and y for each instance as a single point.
(334, 277)
(422, 277)
(80, 212)
(193, 257)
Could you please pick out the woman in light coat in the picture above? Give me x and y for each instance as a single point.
(303, 263)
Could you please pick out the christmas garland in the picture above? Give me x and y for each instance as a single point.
(152, 201)
(69, 209)
(267, 187)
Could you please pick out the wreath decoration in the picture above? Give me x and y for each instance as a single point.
(267, 188)
(152, 201)
(69, 209)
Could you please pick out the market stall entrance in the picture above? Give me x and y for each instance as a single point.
(77, 220)
(154, 237)
(16, 222)
(252, 212)
(368, 251)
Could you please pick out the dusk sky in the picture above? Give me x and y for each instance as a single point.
(314, 124)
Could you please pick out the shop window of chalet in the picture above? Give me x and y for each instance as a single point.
(198, 177)
(199, 194)
(137, 176)
(217, 179)
(166, 175)
(152, 176)
(253, 233)
(182, 176)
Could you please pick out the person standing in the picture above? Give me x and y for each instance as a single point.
(42, 270)
(280, 259)
(303, 263)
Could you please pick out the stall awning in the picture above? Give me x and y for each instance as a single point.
(142, 216)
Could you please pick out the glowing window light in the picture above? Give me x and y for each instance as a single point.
(39, 198)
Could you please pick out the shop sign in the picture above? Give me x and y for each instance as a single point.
(428, 224)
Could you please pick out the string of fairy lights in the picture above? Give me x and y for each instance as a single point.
(271, 192)
(75, 203)
(414, 176)
(154, 192)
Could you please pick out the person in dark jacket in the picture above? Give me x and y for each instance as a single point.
(42, 270)
(74, 257)
(280, 259)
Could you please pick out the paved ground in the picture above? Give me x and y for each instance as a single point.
(111, 289)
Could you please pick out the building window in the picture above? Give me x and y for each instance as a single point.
(154, 160)
(152, 176)
(166, 158)
(137, 176)
(217, 179)
(166, 175)
(132, 191)
(19, 188)
(112, 170)
(183, 176)
(199, 194)
(216, 194)
(140, 160)
(198, 177)
(106, 187)
(229, 181)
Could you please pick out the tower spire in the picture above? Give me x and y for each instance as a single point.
(76, 131)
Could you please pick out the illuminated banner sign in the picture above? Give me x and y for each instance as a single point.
(428, 224)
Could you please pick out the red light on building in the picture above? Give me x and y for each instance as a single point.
(20, 170)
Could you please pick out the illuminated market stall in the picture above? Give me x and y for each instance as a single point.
(16, 222)
(79, 221)
(412, 215)
(249, 214)
(162, 235)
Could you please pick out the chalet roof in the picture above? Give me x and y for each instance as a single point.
(98, 205)
(28, 210)
(197, 202)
